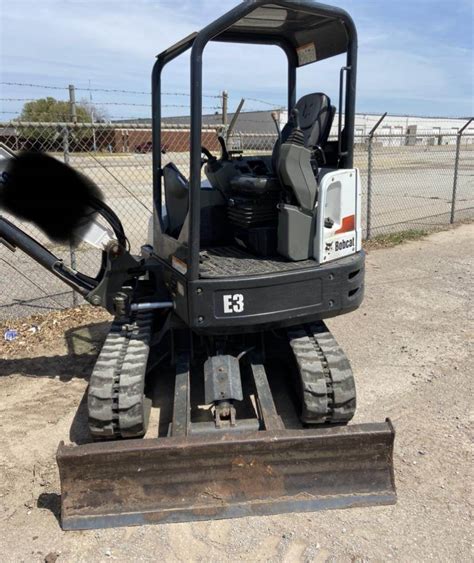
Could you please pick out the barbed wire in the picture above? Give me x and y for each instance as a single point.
(34, 85)
(214, 96)
(110, 90)
(265, 102)
(48, 114)
(19, 99)
(125, 104)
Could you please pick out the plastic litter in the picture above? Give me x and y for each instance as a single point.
(10, 334)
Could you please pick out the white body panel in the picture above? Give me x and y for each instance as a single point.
(98, 236)
(339, 200)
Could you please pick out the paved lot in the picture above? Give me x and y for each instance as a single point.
(409, 348)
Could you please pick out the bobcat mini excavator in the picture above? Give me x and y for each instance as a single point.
(221, 318)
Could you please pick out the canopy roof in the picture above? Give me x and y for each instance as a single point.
(313, 34)
(310, 30)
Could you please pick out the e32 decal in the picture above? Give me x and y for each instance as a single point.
(233, 303)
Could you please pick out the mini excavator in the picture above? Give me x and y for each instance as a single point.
(220, 319)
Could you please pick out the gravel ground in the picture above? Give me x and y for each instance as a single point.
(408, 345)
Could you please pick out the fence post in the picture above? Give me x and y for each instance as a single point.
(72, 103)
(456, 168)
(72, 252)
(369, 176)
(225, 101)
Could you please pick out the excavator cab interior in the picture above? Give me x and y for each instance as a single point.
(266, 200)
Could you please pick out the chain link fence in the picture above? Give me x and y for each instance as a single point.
(409, 182)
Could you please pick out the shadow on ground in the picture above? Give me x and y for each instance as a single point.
(51, 502)
(79, 431)
(83, 346)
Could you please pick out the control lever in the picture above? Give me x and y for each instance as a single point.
(295, 115)
(224, 151)
(319, 154)
(296, 136)
(277, 124)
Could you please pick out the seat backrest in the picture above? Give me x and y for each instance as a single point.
(316, 116)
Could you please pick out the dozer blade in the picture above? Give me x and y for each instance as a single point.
(225, 475)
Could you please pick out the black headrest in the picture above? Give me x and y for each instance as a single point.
(315, 112)
(315, 116)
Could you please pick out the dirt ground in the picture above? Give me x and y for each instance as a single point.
(409, 348)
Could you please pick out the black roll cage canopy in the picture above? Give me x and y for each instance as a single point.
(307, 32)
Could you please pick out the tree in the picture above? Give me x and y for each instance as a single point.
(49, 109)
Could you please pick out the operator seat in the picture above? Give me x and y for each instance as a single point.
(296, 167)
(316, 115)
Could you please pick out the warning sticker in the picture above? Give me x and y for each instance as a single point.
(306, 54)
(179, 265)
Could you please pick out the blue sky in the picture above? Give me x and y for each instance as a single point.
(415, 56)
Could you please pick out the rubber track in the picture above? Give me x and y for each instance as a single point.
(328, 386)
(116, 402)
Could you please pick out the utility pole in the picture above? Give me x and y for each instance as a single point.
(225, 100)
(72, 103)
